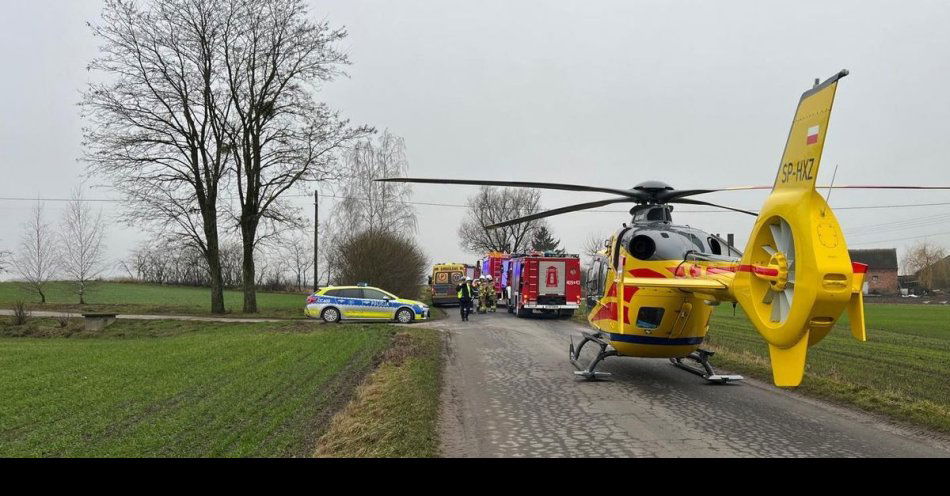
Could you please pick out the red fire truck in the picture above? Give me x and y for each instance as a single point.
(543, 284)
(493, 265)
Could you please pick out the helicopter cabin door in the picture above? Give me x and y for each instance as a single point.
(596, 278)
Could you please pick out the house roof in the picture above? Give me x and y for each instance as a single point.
(876, 258)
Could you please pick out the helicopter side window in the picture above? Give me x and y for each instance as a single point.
(649, 317)
(698, 242)
(714, 246)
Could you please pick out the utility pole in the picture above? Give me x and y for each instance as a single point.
(316, 234)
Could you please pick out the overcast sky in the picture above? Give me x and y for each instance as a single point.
(696, 94)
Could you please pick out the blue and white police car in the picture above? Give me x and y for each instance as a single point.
(336, 303)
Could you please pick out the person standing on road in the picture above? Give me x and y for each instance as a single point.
(464, 291)
(491, 299)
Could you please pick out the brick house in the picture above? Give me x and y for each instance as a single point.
(882, 269)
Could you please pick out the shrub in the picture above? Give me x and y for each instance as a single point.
(386, 260)
(20, 313)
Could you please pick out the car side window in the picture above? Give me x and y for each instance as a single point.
(351, 293)
(373, 294)
(332, 292)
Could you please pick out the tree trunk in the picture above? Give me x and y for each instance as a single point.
(42, 296)
(217, 283)
(213, 256)
(248, 272)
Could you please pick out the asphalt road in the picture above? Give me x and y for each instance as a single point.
(511, 392)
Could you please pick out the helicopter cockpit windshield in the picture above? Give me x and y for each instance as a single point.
(643, 214)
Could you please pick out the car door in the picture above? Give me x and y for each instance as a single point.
(351, 303)
(379, 305)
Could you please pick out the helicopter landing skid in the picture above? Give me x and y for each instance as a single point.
(706, 372)
(574, 353)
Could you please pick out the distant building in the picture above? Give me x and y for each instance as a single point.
(882, 269)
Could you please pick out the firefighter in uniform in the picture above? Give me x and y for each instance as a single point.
(480, 292)
(465, 292)
(490, 298)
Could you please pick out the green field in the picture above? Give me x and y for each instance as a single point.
(900, 371)
(134, 298)
(178, 389)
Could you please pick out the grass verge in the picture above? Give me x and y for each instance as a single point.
(395, 411)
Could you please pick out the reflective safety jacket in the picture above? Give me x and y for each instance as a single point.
(464, 290)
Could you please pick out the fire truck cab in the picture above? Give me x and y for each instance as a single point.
(494, 264)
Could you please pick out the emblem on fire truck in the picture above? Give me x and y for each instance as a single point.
(550, 279)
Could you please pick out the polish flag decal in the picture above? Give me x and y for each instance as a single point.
(812, 137)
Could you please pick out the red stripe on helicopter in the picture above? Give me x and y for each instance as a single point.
(695, 271)
(628, 292)
(646, 273)
(609, 311)
(859, 268)
(755, 269)
(729, 269)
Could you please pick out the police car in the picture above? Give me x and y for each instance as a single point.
(336, 303)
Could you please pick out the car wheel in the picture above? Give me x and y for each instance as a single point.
(330, 315)
(404, 316)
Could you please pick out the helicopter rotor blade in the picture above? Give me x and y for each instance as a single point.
(670, 196)
(558, 211)
(520, 184)
(700, 202)
(845, 186)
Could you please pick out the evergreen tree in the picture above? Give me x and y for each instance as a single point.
(543, 240)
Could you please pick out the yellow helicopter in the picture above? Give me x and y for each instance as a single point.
(652, 289)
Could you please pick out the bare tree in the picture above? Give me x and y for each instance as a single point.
(492, 205)
(929, 262)
(376, 206)
(594, 243)
(5, 261)
(81, 243)
(275, 59)
(36, 261)
(157, 122)
(296, 251)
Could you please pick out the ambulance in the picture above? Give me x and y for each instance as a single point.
(445, 277)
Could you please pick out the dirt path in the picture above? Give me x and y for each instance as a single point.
(510, 392)
(39, 313)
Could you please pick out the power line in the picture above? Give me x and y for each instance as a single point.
(899, 239)
(899, 225)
